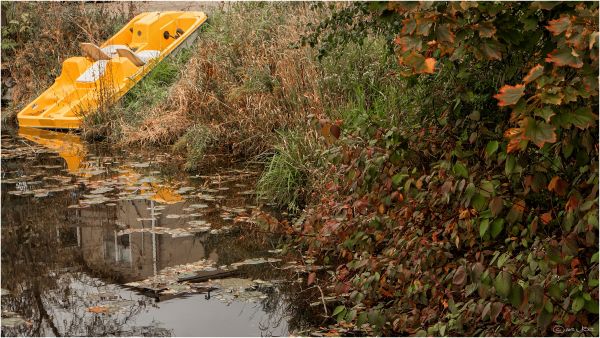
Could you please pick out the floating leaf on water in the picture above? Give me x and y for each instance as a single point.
(11, 319)
(200, 229)
(101, 190)
(140, 165)
(197, 223)
(41, 194)
(97, 309)
(183, 190)
(254, 261)
(198, 206)
(181, 234)
(234, 283)
(148, 219)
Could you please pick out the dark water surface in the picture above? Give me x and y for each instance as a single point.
(97, 242)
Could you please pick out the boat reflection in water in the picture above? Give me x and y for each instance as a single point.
(98, 229)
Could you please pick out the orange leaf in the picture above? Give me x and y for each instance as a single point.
(559, 25)
(546, 218)
(558, 185)
(516, 138)
(534, 73)
(572, 203)
(509, 95)
(418, 63)
(98, 309)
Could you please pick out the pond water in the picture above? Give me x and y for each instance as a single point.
(103, 242)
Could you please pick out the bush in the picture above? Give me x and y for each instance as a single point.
(477, 220)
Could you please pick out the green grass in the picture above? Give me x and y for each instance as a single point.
(154, 87)
(286, 179)
(140, 99)
(194, 144)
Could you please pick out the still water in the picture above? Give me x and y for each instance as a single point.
(103, 242)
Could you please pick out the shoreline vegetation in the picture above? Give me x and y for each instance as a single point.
(440, 158)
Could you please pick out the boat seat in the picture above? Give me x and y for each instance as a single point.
(108, 52)
(94, 52)
(94, 72)
(140, 58)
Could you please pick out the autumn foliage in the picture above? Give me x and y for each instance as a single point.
(483, 219)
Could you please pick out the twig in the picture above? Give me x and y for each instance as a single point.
(322, 300)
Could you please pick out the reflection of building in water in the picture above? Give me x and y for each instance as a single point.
(131, 256)
(137, 255)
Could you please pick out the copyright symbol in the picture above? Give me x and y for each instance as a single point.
(558, 329)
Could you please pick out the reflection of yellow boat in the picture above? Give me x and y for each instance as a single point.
(106, 73)
(71, 148)
(68, 146)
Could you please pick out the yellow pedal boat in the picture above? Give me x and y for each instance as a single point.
(104, 74)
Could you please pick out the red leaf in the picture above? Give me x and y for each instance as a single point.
(534, 73)
(509, 95)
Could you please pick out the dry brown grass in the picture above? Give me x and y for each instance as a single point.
(244, 82)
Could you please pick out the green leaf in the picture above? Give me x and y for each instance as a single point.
(350, 316)
(516, 296)
(539, 132)
(534, 73)
(338, 310)
(581, 118)
(502, 259)
(483, 227)
(510, 164)
(375, 318)
(592, 306)
(577, 304)
(460, 170)
(491, 148)
(479, 202)
(545, 112)
(491, 49)
(595, 258)
(502, 283)
(565, 56)
(497, 227)
(362, 319)
(397, 179)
